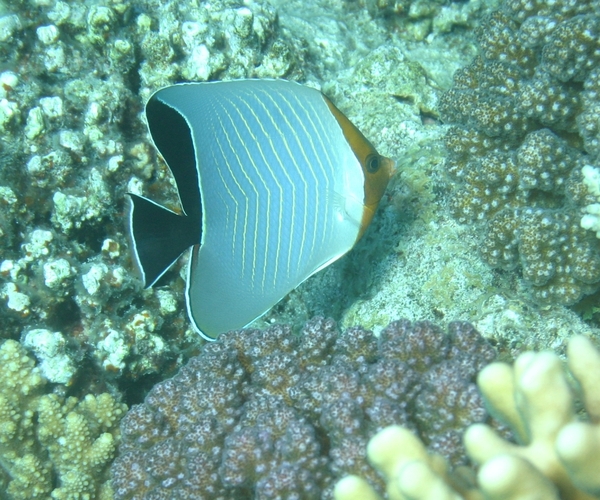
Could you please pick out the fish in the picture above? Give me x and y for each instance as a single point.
(274, 183)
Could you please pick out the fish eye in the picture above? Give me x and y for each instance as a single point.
(373, 163)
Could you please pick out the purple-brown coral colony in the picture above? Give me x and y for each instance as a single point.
(267, 414)
(526, 125)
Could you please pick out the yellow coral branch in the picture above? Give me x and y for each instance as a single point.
(558, 457)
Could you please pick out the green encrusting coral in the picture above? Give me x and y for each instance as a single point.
(52, 446)
(525, 132)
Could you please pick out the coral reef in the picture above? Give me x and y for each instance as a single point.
(418, 18)
(266, 414)
(557, 455)
(72, 142)
(51, 445)
(524, 142)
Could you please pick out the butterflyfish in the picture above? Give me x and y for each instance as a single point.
(274, 182)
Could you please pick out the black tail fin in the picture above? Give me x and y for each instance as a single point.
(159, 236)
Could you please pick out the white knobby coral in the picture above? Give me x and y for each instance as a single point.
(591, 179)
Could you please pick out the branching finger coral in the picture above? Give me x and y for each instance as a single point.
(557, 455)
(51, 446)
(410, 471)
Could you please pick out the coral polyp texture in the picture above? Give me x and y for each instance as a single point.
(52, 446)
(523, 150)
(73, 83)
(266, 414)
(415, 19)
(557, 454)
